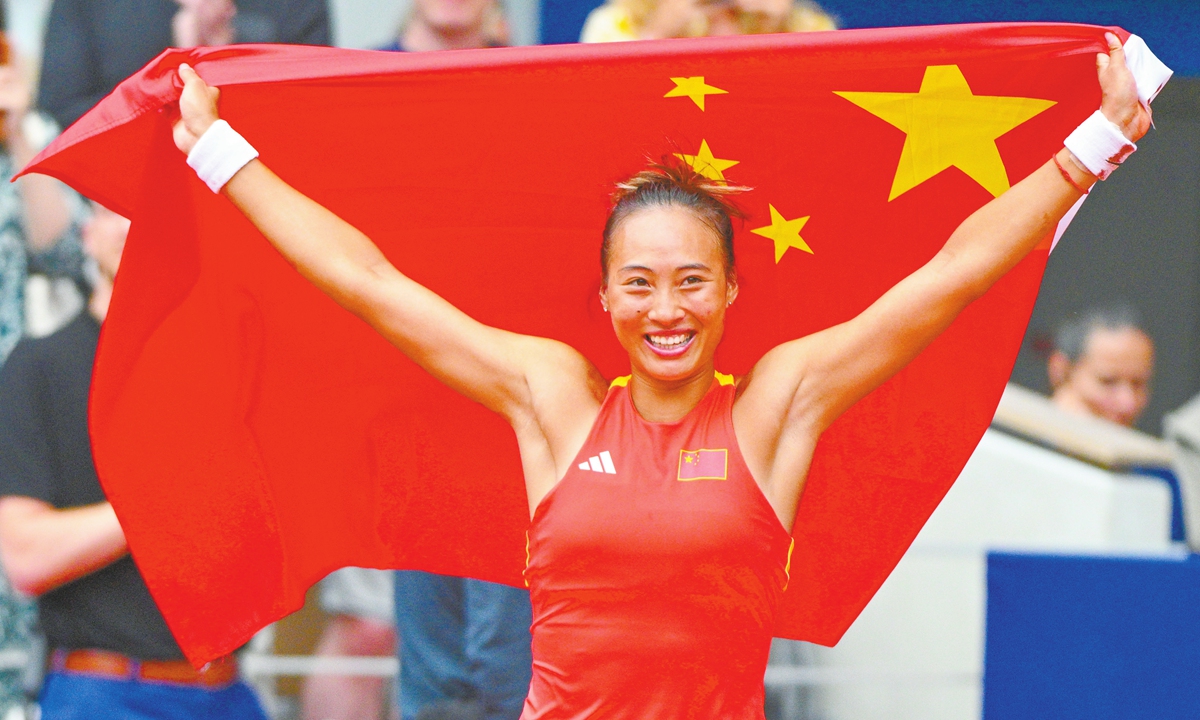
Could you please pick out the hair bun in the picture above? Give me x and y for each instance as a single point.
(672, 171)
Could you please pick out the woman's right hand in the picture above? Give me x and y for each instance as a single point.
(197, 109)
(1119, 92)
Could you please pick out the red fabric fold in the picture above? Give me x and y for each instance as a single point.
(253, 436)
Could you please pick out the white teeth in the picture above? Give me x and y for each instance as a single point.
(668, 342)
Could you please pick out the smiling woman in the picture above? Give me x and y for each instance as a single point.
(669, 273)
(661, 501)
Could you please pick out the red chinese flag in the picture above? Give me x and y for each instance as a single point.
(253, 436)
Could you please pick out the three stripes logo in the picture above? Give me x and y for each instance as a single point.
(601, 463)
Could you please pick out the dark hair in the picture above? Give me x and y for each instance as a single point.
(672, 182)
(1073, 334)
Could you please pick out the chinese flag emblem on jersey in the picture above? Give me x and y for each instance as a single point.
(253, 436)
(703, 464)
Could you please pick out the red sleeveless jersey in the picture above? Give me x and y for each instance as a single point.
(655, 569)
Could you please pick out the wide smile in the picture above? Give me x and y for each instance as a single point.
(671, 344)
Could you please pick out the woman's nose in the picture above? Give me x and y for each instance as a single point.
(665, 308)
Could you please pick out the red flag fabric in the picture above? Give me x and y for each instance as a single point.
(253, 436)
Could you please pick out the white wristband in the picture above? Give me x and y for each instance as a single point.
(1099, 145)
(219, 154)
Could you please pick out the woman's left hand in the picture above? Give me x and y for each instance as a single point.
(197, 109)
(1120, 102)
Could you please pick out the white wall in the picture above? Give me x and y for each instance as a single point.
(921, 639)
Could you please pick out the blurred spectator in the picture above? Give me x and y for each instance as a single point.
(362, 605)
(653, 19)
(451, 25)
(753, 17)
(113, 655)
(38, 232)
(1102, 364)
(91, 45)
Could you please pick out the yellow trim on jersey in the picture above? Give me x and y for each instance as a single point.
(787, 568)
(623, 381)
(525, 572)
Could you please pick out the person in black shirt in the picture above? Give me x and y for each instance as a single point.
(91, 45)
(60, 539)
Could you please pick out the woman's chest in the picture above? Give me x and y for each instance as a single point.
(654, 505)
(694, 523)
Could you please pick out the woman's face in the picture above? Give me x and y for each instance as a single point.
(667, 292)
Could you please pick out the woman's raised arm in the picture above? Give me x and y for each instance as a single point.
(488, 365)
(810, 382)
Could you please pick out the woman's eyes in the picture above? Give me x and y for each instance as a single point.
(644, 283)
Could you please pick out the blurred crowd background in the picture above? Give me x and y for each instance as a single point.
(1115, 339)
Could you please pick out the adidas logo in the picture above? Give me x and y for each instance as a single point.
(599, 463)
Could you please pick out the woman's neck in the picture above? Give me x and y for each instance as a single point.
(668, 401)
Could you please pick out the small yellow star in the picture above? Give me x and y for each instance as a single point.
(704, 163)
(946, 125)
(694, 88)
(785, 233)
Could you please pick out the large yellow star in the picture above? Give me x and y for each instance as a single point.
(948, 126)
(704, 163)
(694, 88)
(785, 233)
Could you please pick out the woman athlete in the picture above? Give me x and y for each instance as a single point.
(654, 590)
